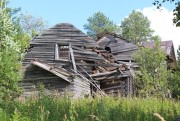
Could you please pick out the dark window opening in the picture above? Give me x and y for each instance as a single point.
(108, 49)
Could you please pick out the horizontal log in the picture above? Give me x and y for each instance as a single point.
(123, 57)
(90, 60)
(84, 52)
(118, 51)
(94, 58)
(103, 74)
(111, 88)
(118, 79)
(111, 77)
(39, 78)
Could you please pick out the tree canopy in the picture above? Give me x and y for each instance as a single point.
(99, 23)
(152, 79)
(136, 27)
(32, 25)
(27, 27)
(175, 78)
(176, 11)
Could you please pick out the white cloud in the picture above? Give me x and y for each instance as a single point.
(161, 22)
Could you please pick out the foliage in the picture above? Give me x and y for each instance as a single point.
(22, 38)
(178, 59)
(99, 23)
(136, 27)
(175, 78)
(176, 11)
(153, 77)
(11, 11)
(49, 108)
(25, 26)
(32, 25)
(155, 38)
(10, 56)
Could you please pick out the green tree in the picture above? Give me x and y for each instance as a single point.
(10, 56)
(136, 27)
(27, 27)
(32, 25)
(155, 38)
(11, 11)
(99, 23)
(178, 59)
(152, 79)
(176, 11)
(20, 37)
(175, 78)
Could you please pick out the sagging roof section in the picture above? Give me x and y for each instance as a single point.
(60, 72)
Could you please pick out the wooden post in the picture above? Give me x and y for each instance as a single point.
(72, 58)
(56, 52)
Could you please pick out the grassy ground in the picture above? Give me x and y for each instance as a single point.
(99, 109)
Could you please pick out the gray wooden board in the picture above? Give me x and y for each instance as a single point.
(123, 57)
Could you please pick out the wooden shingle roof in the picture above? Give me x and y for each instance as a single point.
(63, 32)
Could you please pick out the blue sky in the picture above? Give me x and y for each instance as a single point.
(77, 11)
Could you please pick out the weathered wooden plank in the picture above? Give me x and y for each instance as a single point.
(56, 52)
(60, 32)
(39, 56)
(72, 58)
(97, 64)
(89, 57)
(125, 50)
(123, 57)
(84, 52)
(81, 44)
(114, 87)
(39, 78)
(103, 74)
(110, 84)
(114, 76)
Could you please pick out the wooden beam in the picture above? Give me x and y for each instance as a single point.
(56, 52)
(103, 74)
(72, 58)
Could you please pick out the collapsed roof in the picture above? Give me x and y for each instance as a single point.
(66, 52)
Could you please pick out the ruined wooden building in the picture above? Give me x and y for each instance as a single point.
(64, 59)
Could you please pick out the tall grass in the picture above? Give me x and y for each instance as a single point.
(49, 108)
